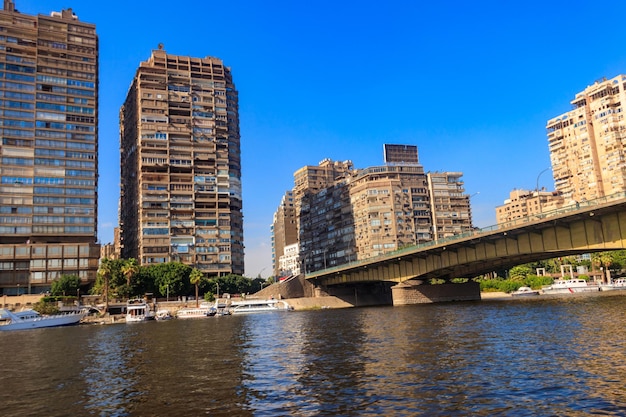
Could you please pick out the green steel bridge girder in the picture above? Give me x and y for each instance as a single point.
(597, 226)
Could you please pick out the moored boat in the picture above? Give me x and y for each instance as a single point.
(258, 306)
(524, 292)
(618, 284)
(31, 319)
(569, 286)
(138, 310)
(222, 307)
(204, 310)
(162, 315)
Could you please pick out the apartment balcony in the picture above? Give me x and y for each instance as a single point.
(181, 207)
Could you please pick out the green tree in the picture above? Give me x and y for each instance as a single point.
(194, 278)
(143, 281)
(104, 271)
(171, 278)
(520, 272)
(619, 259)
(130, 268)
(231, 283)
(603, 260)
(65, 285)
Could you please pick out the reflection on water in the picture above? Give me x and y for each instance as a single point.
(560, 356)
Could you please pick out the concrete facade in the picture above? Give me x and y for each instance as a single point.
(346, 215)
(415, 292)
(588, 143)
(49, 150)
(449, 205)
(524, 203)
(181, 197)
(284, 231)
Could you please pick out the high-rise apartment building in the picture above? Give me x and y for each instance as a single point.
(49, 151)
(390, 208)
(284, 230)
(326, 233)
(588, 143)
(362, 213)
(181, 194)
(308, 180)
(449, 205)
(311, 178)
(525, 203)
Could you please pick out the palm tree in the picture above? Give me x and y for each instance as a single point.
(129, 269)
(603, 260)
(195, 277)
(105, 272)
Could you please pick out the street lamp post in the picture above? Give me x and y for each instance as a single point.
(537, 187)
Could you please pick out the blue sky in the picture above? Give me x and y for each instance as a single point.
(472, 84)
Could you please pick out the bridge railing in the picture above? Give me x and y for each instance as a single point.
(572, 207)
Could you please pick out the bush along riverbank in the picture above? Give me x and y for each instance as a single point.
(509, 285)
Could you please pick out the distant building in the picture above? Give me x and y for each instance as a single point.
(345, 214)
(449, 205)
(284, 230)
(308, 180)
(525, 203)
(289, 261)
(112, 250)
(588, 143)
(49, 150)
(326, 233)
(400, 154)
(390, 205)
(311, 178)
(587, 146)
(181, 197)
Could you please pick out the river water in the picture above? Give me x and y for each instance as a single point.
(560, 356)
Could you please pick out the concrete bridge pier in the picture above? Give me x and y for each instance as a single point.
(416, 292)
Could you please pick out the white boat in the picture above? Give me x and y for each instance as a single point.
(618, 284)
(138, 310)
(258, 306)
(570, 286)
(162, 315)
(30, 319)
(222, 307)
(204, 310)
(524, 292)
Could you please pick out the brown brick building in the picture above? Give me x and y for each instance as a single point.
(181, 196)
(49, 150)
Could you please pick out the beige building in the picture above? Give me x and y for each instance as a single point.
(390, 208)
(290, 261)
(308, 181)
(588, 143)
(368, 212)
(284, 230)
(181, 194)
(313, 178)
(48, 155)
(112, 250)
(525, 203)
(587, 151)
(449, 205)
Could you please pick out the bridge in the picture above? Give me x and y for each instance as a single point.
(582, 227)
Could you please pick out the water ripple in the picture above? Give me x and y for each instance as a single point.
(547, 357)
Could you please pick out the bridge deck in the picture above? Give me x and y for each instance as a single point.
(591, 226)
